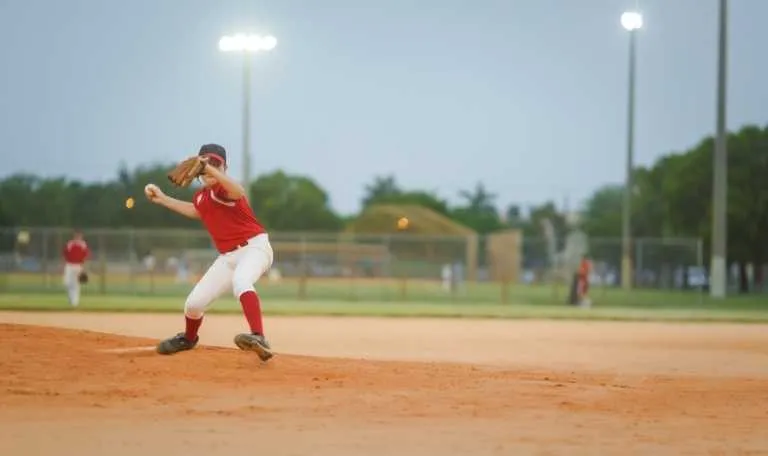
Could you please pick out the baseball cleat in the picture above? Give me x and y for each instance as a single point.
(256, 343)
(176, 344)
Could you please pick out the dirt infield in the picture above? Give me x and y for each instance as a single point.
(351, 386)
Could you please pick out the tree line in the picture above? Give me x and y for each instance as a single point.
(284, 202)
(671, 198)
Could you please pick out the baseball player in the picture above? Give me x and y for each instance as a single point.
(245, 253)
(75, 254)
(582, 280)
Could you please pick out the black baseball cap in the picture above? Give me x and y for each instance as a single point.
(213, 149)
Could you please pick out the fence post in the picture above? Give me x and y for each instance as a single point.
(46, 278)
(347, 243)
(471, 256)
(303, 268)
(102, 264)
(131, 261)
(638, 261)
(59, 249)
(386, 268)
(700, 264)
(403, 281)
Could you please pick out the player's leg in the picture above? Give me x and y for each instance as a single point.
(216, 280)
(68, 279)
(584, 291)
(252, 263)
(65, 282)
(75, 298)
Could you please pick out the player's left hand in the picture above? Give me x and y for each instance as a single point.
(186, 171)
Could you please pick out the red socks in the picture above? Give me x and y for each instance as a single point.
(190, 333)
(252, 310)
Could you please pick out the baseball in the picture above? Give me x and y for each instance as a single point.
(150, 190)
(402, 223)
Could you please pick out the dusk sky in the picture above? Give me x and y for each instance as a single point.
(527, 96)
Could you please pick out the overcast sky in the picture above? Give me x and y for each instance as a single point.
(528, 96)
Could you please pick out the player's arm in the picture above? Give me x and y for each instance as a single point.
(234, 190)
(184, 208)
(157, 196)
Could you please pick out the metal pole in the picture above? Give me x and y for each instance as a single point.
(718, 285)
(700, 264)
(639, 256)
(626, 238)
(246, 123)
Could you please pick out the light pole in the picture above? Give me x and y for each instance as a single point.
(246, 45)
(718, 281)
(632, 21)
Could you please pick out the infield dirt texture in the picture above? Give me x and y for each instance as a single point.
(355, 386)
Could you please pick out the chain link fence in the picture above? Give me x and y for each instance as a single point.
(339, 266)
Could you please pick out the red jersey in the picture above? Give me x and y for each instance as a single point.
(585, 267)
(230, 223)
(76, 252)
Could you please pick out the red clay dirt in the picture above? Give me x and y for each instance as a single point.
(536, 388)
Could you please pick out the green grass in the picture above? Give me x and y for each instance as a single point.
(113, 303)
(395, 291)
(388, 297)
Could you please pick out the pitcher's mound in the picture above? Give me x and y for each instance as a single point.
(51, 367)
(86, 393)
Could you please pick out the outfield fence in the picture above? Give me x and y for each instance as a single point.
(402, 267)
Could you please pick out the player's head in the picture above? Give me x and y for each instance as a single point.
(77, 235)
(217, 157)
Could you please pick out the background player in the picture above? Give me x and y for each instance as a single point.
(75, 254)
(245, 253)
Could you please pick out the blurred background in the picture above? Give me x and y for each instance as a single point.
(432, 151)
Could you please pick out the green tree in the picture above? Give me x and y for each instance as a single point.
(18, 194)
(514, 216)
(382, 188)
(386, 190)
(5, 217)
(292, 203)
(603, 212)
(748, 198)
(673, 198)
(648, 204)
(479, 210)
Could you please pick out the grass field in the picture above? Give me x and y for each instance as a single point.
(386, 297)
(387, 290)
(669, 310)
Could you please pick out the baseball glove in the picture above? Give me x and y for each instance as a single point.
(82, 277)
(186, 171)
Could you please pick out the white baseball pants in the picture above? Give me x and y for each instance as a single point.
(237, 271)
(71, 283)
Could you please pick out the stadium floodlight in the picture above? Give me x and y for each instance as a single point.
(246, 44)
(719, 268)
(632, 20)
